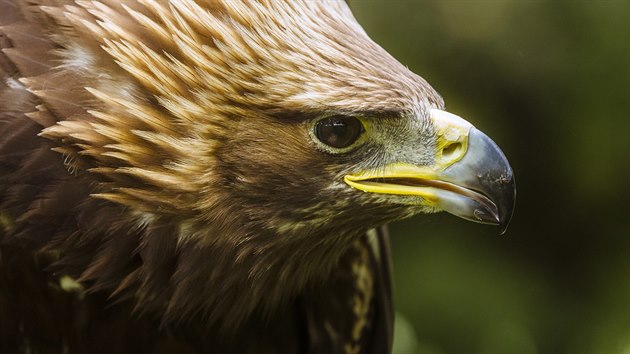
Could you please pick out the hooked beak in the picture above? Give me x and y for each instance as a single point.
(471, 178)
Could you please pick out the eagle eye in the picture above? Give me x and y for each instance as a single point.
(339, 131)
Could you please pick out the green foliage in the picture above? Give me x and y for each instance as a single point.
(549, 81)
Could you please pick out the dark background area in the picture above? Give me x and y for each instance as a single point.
(549, 81)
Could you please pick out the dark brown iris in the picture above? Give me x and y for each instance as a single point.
(338, 131)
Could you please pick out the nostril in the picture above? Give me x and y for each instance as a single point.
(451, 152)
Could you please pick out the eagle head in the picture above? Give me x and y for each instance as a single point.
(249, 144)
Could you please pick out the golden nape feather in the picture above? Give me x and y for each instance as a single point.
(203, 175)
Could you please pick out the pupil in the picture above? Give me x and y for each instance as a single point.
(340, 129)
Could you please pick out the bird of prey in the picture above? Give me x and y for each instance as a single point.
(202, 176)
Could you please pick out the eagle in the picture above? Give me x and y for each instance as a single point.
(204, 176)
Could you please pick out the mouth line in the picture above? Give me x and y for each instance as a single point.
(423, 183)
(420, 186)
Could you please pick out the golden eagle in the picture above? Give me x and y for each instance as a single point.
(200, 176)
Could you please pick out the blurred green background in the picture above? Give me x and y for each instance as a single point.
(549, 81)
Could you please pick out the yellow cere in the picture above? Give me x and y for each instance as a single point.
(452, 137)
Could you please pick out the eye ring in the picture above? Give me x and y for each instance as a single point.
(338, 132)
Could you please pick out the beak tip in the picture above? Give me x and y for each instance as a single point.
(508, 209)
